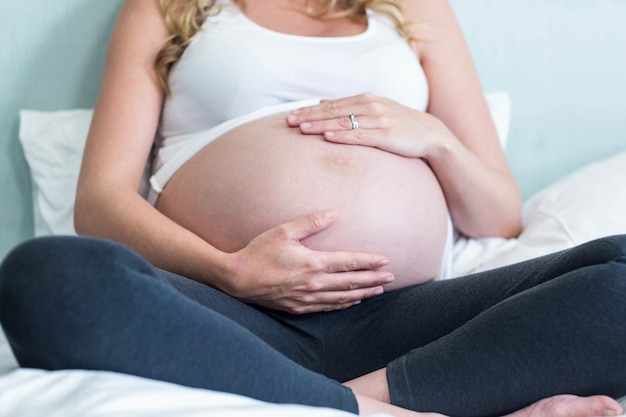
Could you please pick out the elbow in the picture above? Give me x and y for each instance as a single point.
(512, 227)
(81, 217)
(505, 222)
(502, 228)
(85, 214)
(509, 223)
(513, 224)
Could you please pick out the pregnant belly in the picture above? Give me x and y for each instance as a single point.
(263, 173)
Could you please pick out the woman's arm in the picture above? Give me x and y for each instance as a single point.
(274, 270)
(125, 120)
(481, 191)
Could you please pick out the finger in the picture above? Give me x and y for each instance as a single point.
(342, 261)
(328, 109)
(343, 123)
(309, 225)
(375, 138)
(336, 300)
(298, 117)
(356, 281)
(364, 137)
(317, 308)
(333, 108)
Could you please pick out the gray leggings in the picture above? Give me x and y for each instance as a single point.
(484, 344)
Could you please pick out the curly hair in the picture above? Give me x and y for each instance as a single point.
(184, 19)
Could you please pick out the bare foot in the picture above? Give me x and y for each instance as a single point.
(571, 406)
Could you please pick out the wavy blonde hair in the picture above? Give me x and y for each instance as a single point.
(184, 19)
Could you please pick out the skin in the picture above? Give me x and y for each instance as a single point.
(388, 203)
(456, 132)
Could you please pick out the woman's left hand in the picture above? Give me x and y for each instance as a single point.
(382, 124)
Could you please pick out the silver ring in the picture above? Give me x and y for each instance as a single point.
(353, 120)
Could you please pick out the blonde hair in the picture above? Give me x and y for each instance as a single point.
(184, 19)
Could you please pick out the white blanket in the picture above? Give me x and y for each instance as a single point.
(36, 393)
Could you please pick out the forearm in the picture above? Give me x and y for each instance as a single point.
(129, 219)
(483, 201)
(274, 270)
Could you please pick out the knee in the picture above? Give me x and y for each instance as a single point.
(38, 275)
(607, 280)
(607, 248)
(54, 257)
(612, 277)
(28, 264)
(52, 289)
(617, 242)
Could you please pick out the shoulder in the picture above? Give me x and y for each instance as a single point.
(147, 8)
(140, 26)
(427, 10)
(433, 22)
(141, 15)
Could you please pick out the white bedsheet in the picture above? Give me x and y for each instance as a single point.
(78, 393)
(7, 360)
(36, 393)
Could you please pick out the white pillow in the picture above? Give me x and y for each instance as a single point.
(499, 104)
(53, 143)
(586, 204)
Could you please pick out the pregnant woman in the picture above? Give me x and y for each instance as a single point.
(234, 162)
(312, 160)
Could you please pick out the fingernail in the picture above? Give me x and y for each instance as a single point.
(329, 134)
(383, 262)
(378, 291)
(331, 214)
(305, 125)
(611, 412)
(292, 118)
(389, 278)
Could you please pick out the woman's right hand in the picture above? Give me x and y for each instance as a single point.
(276, 271)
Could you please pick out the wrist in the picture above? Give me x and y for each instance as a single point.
(210, 266)
(443, 148)
(224, 272)
(441, 143)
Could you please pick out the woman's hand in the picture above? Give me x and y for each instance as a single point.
(382, 124)
(276, 271)
(481, 192)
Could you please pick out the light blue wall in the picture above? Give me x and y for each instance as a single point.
(562, 61)
(51, 54)
(564, 64)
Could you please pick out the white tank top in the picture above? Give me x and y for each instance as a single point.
(235, 71)
(234, 67)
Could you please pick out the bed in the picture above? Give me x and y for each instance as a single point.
(553, 76)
